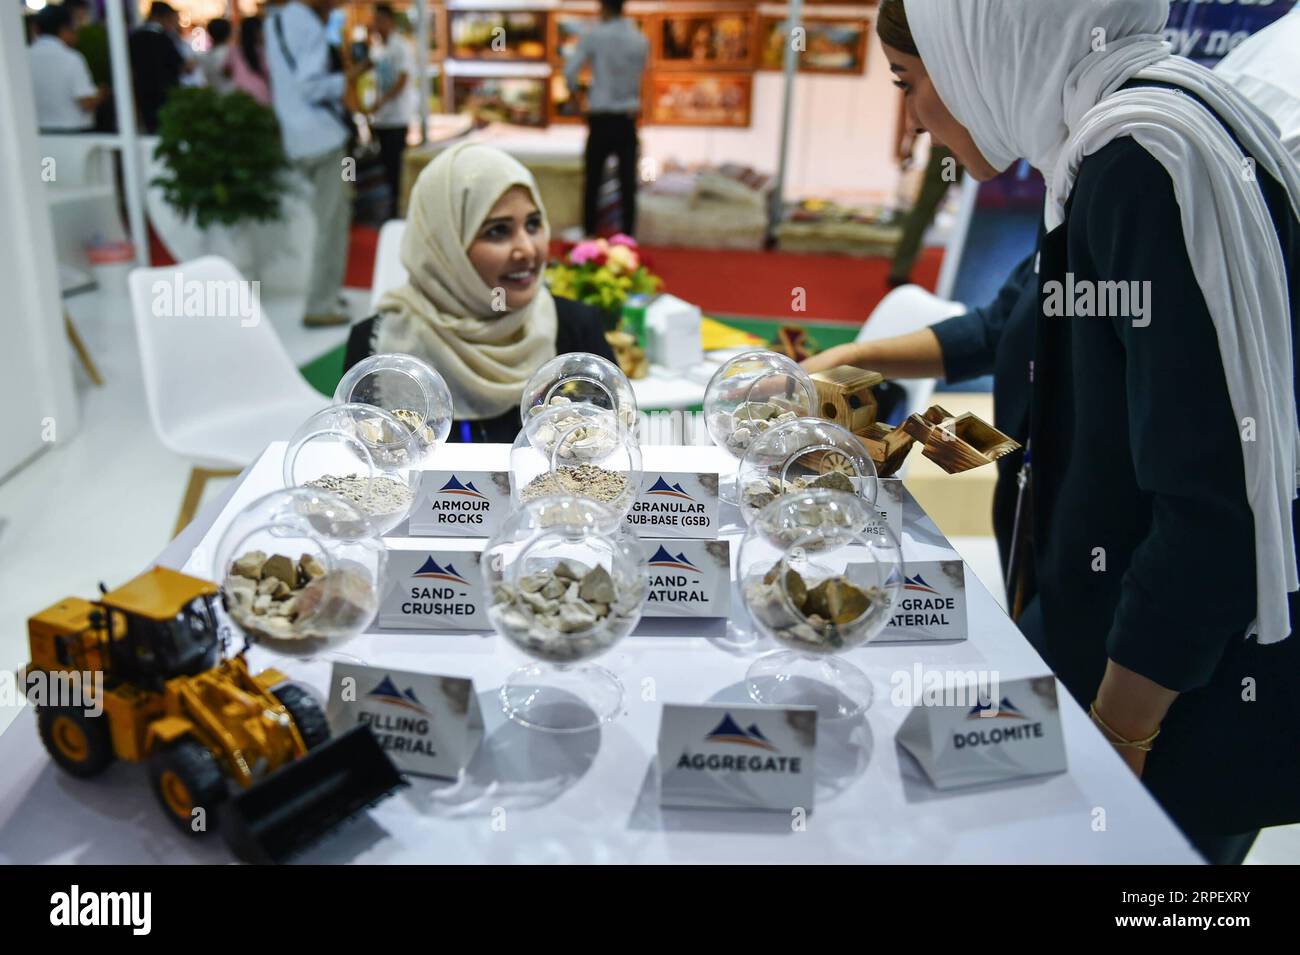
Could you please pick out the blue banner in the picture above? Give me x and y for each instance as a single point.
(1206, 30)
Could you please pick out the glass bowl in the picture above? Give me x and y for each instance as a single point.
(579, 451)
(293, 573)
(408, 389)
(364, 454)
(800, 455)
(818, 579)
(751, 393)
(579, 378)
(566, 581)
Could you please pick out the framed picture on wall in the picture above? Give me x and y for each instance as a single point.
(520, 100)
(695, 40)
(567, 26)
(830, 45)
(570, 106)
(567, 106)
(496, 35)
(437, 33)
(698, 99)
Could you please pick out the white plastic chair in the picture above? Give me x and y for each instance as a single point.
(220, 387)
(906, 309)
(389, 271)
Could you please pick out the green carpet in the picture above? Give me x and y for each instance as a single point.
(324, 373)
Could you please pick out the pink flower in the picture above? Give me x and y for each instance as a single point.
(584, 252)
(624, 240)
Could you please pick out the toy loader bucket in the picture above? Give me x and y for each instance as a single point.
(290, 809)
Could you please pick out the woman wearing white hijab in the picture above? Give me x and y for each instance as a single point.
(1163, 434)
(476, 306)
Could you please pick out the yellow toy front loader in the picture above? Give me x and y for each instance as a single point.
(253, 751)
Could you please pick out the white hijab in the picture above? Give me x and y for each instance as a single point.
(1037, 79)
(444, 314)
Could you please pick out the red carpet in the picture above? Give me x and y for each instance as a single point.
(757, 284)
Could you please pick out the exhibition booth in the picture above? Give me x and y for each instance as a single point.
(702, 604)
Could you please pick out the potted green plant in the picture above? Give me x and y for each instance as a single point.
(223, 166)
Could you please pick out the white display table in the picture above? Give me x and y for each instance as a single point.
(534, 797)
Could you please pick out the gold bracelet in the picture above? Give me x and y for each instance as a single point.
(1143, 744)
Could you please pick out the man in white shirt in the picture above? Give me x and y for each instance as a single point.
(212, 64)
(315, 128)
(66, 96)
(1265, 69)
(617, 53)
(390, 116)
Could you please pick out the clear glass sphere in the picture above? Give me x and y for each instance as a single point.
(812, 576)
(407, 388)
(292, 568)
(750, 394)
(580, 451)
(566, 581)
(579, 378)
(800, 455)
(362, 453)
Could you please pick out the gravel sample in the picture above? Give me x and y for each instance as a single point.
(758, 494)
(585, 480)
(748, 421)
(819, 618)
(567, 614)
(278, 598)
(378, 497)
(580, 437)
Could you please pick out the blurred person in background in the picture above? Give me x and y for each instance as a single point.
(396, 102)
(617, 52)
(66, 96)
(316, 128)
(214, 64)
(941, 171)
(1265, 68)
(92, 43)
(246, 62)
(156, 62)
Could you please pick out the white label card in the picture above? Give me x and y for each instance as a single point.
(687, 578)
(717, 756)
(982, 737)
(434, 590)
(429, 725)
(676, 504)
(889, 508)
(932, 604)
(461, 503)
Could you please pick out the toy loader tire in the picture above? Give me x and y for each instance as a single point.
(187, 777)
(306, 712)
(81, 745)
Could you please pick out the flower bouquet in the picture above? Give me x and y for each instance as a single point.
(602, 273)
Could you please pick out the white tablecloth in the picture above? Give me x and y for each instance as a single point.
(536, 797)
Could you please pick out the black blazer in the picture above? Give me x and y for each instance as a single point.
(1143, 535)
(579, 328)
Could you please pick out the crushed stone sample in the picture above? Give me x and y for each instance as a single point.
(566, 614)
(815, 618)
(297, 600)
